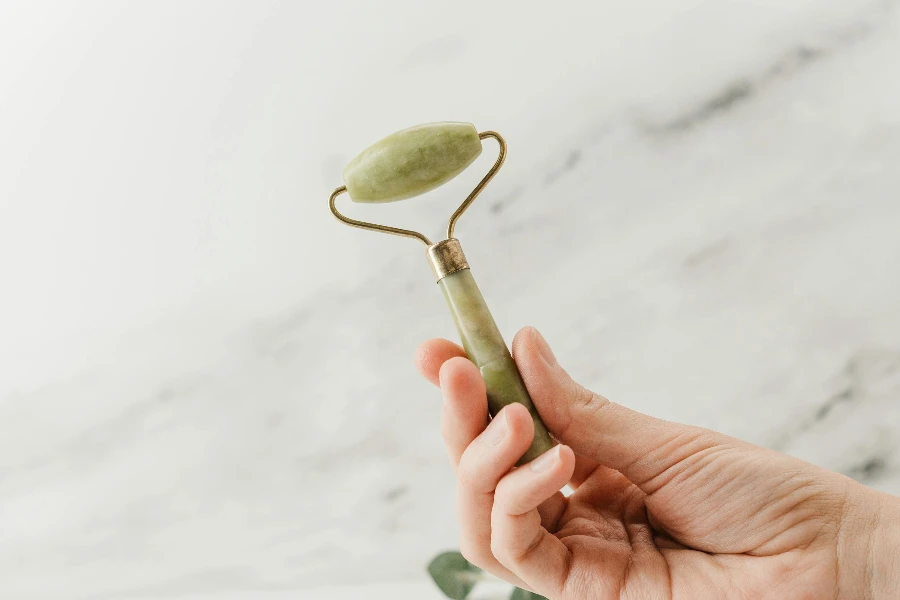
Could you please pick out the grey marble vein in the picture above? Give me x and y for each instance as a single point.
(870, 18)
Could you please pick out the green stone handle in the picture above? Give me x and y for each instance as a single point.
(411, 162)
(485, 347)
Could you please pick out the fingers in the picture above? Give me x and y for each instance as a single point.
(430, 357)
(487, 459)
(640, 447)
(481, 467)
(483, 453)
(464, 414)
(434, 353)
(519, 541)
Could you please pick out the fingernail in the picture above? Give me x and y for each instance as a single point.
(545, 461)
(496, 430)
(543, 347)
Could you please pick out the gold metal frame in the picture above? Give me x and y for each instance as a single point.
(453, 218)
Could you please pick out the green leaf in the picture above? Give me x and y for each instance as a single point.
(454, 575)
(520, 594)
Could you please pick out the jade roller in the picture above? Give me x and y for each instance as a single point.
(417, 160)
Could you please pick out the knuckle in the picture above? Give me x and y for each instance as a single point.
(588, 401)
(466, 477)
(504, 496)
(499, 552)
(532, 546)
(471, 476)
(475, 554)
(466, 550)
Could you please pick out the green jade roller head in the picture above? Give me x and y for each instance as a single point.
(417, 160)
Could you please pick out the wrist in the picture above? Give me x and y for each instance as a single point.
(869, 545)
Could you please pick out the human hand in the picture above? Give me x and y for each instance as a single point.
(659, 509)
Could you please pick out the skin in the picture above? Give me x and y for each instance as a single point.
(659, 510)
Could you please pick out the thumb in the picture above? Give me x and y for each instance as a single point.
(644, 449)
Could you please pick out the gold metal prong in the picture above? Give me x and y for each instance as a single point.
(487, 178)
(372, 226)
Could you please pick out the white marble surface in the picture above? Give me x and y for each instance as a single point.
(206, 390)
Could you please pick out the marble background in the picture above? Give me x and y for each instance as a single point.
(206, 385)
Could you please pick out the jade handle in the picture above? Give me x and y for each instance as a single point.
(485, 347)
